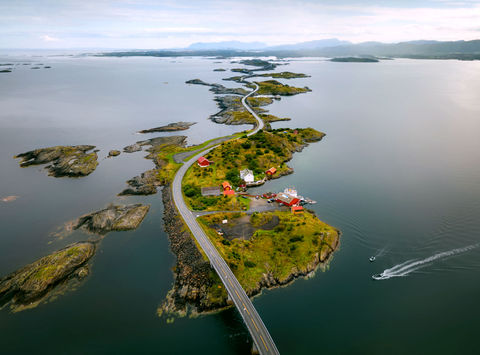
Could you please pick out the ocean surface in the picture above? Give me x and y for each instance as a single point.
(398, 173)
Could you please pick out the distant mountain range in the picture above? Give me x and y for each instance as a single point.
(227, 45)
(464, 50)
(236, 45)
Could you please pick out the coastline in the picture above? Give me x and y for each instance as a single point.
(189, 296)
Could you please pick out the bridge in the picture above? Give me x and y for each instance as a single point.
(259, 333)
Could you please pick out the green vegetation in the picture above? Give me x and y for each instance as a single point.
(267, 118)
(285, 75)
(296, 245)
(259, 101)
(194, 198)
(258, 153)
(273, 87)
(241, 117)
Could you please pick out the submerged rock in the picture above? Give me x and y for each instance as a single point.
(72, 161)
(28, 286)
(132, 148)
(145, 184)
(113, 218)
(113, 153)
(171, 127)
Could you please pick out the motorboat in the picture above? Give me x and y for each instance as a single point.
(372, 259)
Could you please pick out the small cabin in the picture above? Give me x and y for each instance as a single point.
(271, 171)
(203, 162)
(226, 186)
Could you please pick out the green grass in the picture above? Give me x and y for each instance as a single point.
(285, 75)
(296, 242)
(273, 87)
(258, 153)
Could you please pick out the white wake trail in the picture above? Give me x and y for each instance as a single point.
(409, 266)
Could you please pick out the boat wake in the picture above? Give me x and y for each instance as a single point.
(412, 265)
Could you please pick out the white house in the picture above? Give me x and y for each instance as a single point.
(247, 176)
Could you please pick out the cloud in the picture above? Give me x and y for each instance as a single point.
(48, 38)
(179, 30)
(177, 23)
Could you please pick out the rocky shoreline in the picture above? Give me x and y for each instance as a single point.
(192, 275)
(194, 278)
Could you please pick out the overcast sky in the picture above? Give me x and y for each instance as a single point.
(174, 24)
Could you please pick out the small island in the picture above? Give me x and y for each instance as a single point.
(34, 283)
(355, 60)
(113, 218)
(285, 75)
(69, 161)
(171, 127)
(273, 87)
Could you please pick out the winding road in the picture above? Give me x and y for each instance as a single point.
(260, 335)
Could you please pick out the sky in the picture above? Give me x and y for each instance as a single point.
(155, 24)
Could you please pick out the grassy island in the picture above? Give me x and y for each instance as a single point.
(273, 87)
(282, 246)
(258, 153)
(285, 75)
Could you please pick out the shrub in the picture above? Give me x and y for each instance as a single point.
(191, 191)
(297, 238)
(249, 263)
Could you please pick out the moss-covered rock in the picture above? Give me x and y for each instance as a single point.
(28, 286)
(171, 127)
(71, 161)
(113, 218)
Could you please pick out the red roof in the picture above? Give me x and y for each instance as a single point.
(287, 200)
(226, 185)
(202, 161)
(271, 171)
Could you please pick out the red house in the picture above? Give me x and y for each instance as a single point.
(271, 171)
(203, 162)
(287, 200)
(226, 186)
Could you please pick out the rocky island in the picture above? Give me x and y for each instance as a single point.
(71, 161)
(32, 284)
(171, 127)
(113, 218)
(355, 60)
